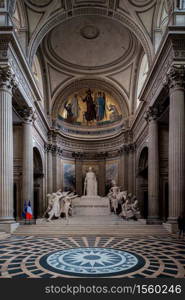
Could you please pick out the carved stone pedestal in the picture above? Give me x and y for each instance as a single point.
(91, 206)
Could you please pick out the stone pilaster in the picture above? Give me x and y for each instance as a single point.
(153, 166)
(176, 78)
(7, 82)
(101, 181)
(131, 151)
(49, 168)
(123, 177)
(56, 168)
(28, 116)
(79, 183)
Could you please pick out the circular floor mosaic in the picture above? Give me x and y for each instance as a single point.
(29, 256)
(92, 262)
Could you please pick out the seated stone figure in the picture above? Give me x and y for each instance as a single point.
(127, 212)
(135, 207)
(130, 208)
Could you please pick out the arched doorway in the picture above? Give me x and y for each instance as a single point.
(142, 182)
(38, 183)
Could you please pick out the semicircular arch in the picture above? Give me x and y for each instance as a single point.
(62, 16)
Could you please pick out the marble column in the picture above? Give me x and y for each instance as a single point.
(49, 168)
(6, 146)
(28, 116)
(153, 167)
(176, 78)
(55, 168)
(101, 181)
(131, 168)
(79, 183)
(124, 161)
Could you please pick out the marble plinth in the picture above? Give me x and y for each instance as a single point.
(91, 206)
(8, 227)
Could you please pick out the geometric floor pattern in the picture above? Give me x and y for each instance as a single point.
(52, 257)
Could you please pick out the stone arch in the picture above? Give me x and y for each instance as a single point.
(62, 16)
(38, 173)
(162, 18)
(20, 21)
(63, 92)
(142, 180)
(141, 77)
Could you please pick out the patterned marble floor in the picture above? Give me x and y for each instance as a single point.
(92, 256)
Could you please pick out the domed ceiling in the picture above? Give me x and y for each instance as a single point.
(90, 43)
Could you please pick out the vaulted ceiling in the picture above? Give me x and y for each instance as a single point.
(98, 40)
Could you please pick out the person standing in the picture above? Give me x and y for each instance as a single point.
(181, 225)
(75, 107)
(90, 113)
(100, 102)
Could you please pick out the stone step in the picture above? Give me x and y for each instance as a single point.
(89, 230)
(4, 235)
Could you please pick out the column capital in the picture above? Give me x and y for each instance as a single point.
(56, 150)
(7, 78)
(28, 115)
(48, 147)
(176, 77)
(151, 114)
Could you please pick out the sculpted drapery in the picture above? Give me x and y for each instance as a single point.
(90, 183)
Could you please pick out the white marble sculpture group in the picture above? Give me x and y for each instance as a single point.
(58, 203)
(61, 202)
(128, 202)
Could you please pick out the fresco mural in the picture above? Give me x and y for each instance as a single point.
(69, 179)
(90, 107)
(111, 174)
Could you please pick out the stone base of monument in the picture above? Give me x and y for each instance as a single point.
(91, 206)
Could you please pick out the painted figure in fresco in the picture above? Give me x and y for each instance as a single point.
(90, 183)
(100, 103)
(90, 113)
(68, 108)
(114, 112)
(75, 107)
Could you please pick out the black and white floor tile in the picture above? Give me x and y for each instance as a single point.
(92, 256)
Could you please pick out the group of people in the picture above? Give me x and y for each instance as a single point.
(95, 108)
(59, 203)
(123, 203)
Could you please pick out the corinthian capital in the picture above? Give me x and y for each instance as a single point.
(7, 78)
(28, 114)
(151, 114)
(176, 77)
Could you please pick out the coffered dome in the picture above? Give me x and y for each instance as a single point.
(90, 43)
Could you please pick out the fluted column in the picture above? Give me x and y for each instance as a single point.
(101, 185)
(153, 166)
(6, 145)
(28, 116)
(124, 160)
(78, 169)
(49, 168)
(131, 149)
(176, 143)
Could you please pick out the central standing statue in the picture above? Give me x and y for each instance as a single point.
(90, 183)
